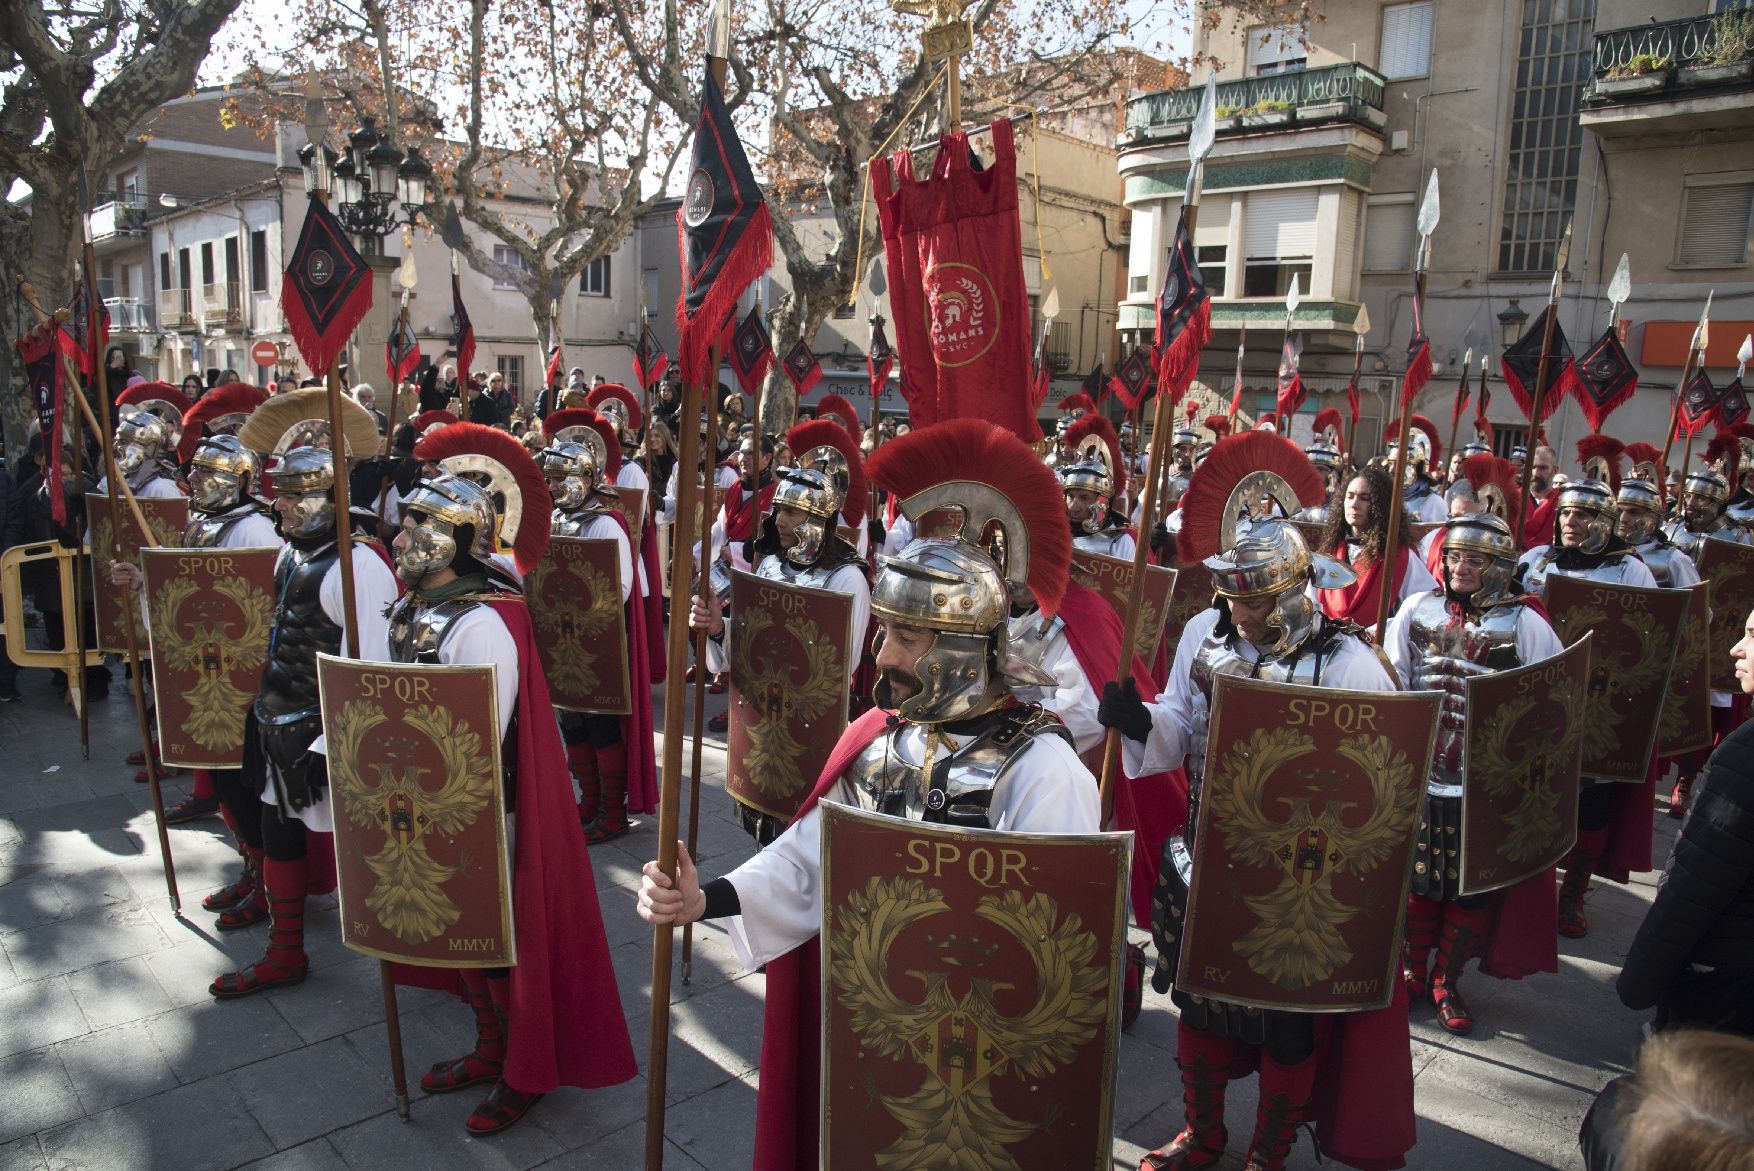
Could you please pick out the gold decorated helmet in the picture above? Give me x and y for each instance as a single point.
(142, 437)
(223, 473)
(519, 508)
(1595, 498)
(307, 473)
(572, 469)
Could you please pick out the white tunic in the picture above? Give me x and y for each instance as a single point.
(1046, 789)
(606, 528)
(1535, 639)
(1182, 707)
(632, 475)
(849, 579)
(1073, 697)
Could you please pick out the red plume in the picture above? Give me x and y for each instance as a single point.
(1427, 428)
(470, 439)
(1219, 425)
(1077, 402)
(1204, 503)
(234, 398)
(1329, 417)
(840, 408)
(1739, 430)
(1644, 453)
(976, 449)
(1488, 470)
(1190, 409)
(1104, 430)
(829, 433)
(636, 418)
(538, 506)
(1603, 447)
(1725, 449)
(435, 418)
(1266, 417)
(144, 392)
(559, 421)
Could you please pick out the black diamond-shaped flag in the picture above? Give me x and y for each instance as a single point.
(1732, 405)
(1606, 378)
(1131, 378)
(326, 290)
(803, 368)
(1699, 401)
(1522, 365)
(751, 351)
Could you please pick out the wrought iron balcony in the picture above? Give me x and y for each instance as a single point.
(1654, 61)
(129, 314)
(1299, 97)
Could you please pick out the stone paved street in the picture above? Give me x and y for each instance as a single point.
(112, 1055)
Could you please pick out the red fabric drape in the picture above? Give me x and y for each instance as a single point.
(1359, 601)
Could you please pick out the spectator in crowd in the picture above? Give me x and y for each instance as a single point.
(505, 398)
(660, 452)
(481, 406)
(438, 386)
(228, 376)
(193, 387)
(116, 369)
(285, 385)
(1693, 956)
(1689, 1107)
(366, 397)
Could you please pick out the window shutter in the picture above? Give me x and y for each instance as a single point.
(1280, 225)
(1388, 237)
(1406, 40)
(1271, 44)
(1714, 225)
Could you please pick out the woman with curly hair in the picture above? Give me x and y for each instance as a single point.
(1357, 534)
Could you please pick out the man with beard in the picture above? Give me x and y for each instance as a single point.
(949, 742)
(1478, 622)
(1541, 476)
(1704, 495)
(1263, 624)
(1584, 545)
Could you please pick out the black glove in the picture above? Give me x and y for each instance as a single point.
(1122, 709)
(875, 530)
(1161, 542)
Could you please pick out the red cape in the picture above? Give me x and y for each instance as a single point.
(1521, 940)
(1152, 807)
(566, 1026)
(743, 511)
(652, 601)
(1630, 826)
(636, 725)
(1358, 602)
(1364, 1086)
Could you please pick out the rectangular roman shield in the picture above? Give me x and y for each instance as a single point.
(212, 611)
(1524, 743)
(118, 539)
(1686, 722)
(971, 990)
(1637, 631)
(420, 845)
(788, 652)
(1304, 845)
(1729, 567)
(632, 502)
(1113, 579)
(574, 595)
(1191, 594)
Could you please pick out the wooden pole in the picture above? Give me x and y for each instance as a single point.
(384, 452)
(1397, 493)
(1455, 420)
(1522, 509)
(709, 507)
(1687, 371)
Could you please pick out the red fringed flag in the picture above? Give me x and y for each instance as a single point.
(1352, 398)
(725, 233)
(649, 359)
(1040, 382)
(802, 367)
(1419, 367)
(879, 362)
(1132, 378)
(954, 249)
(1184, 316)
(551, 376)
(1732, 405)
(1462, 396)
(464, 337)
(1522, 365)
(84, 321)
(42, 351)
(751, 351)
(401, 352)
(1484, 401)
(1699, 403)
(327, 289)
(1605, 379)
(1289, 389)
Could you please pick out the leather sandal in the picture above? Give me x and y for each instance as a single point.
(1186, 1152)
(1452, 1010)
(258, 977)
(471, 1069)
(247, 913)
(502, 1107)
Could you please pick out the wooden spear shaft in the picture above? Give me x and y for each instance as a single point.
(1162, 435)
(1398, 490)
(1687, 370)
(703, 588)
(1522, 508)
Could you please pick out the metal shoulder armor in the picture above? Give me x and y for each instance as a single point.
(887, 778)
(418, 631)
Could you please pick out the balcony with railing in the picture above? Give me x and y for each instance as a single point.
(1691, 74)
(221, 304)
(122, 217)
(175, 309)
(129, 314)
(1295, 99)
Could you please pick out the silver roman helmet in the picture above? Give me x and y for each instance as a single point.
(1593, 497)
(572, 468)
(223, 473)
(142, 437)
(813, 492)
(307, 473)
(455, 515)
(1487, 534)
(1094, 466)
(1641, 510)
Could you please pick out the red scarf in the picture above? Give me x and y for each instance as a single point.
(1358, 602)
(742, 510)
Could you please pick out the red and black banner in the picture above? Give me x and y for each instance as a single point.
(1095, 384)
(1351, 395)
(1184, 316)
(551, 376)
(802, 367)
(751, 351)
(1522, 365)
(465, 335)
(326, 291)
(42, 351)
(86, 319)
(880, 361)
(1132, 378)
(725, 230)
(1289, 391)
(1699, 404)
(401, 352)
(1732, 405)
(1606, 378)
(954, 245)
(649, 359)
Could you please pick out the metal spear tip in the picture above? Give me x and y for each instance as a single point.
(1205, 128)
(1620, 286)
(451, 228)
(1430, 210)
(1050, 305)
(1745, 354)
(1361, 325)
(1293, 296)
(1561, 257)
(1468, 358)
(876, 281)
(1702, 333)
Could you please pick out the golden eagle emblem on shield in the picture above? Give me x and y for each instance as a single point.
(1532, 825)
(772, 693)
(569, 632)
(226, 633)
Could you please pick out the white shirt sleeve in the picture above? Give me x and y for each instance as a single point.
(1639, 574)
(1682, 569)
(1124, 547)
(849, 580)
(1398, 642)
(480, 637)
(1417, 580)
(1074, 697)
(255, 531)
(632, 475)
(374, 591)
(667, 507)
(1535, 638)
(1432, 508)
(605, 528)
(898, 536)
(1173, 713)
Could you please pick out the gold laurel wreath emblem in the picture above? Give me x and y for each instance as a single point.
(202, 648)
(1532, 825)
(1297, 940)
(1612, 675)
(773, 701)
(1689, 664)
(409, 898)
(963, 1043)
(568, 632)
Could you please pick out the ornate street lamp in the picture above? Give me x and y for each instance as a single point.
(1511, 321)
(368, 181)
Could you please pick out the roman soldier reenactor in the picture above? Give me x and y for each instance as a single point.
(611, 755)
(555, 1018)
(621, 407)
(1324, 452)
(1357, 533)
(949, 742)
(279, 801)
(800, 544)
(1263, 624)
(1478, 622)
(1584, 545)
(1704, 497)
(1422, 495)
(1092, 478)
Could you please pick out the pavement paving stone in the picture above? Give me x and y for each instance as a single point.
(316, 1155)
(200, 1040)
(39, 1013)
(334, 1000)
(117, 992)
(435, 1137)
(25, 1154)
(67, 945)
(116, 1066)
(38, 1094)
(191, 1128)
(585, 1119)
(306, 1093)
(624, 1149)
(716, 1128)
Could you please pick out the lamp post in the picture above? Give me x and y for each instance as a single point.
(376, 188)
(1511, 322)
